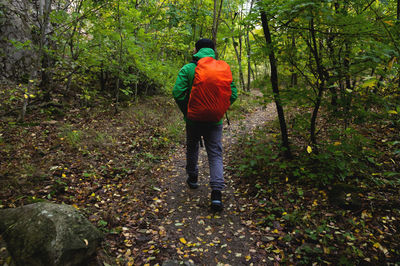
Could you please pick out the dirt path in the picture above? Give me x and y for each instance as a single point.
(191, 232)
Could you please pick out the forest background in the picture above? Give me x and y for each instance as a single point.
(331, 67)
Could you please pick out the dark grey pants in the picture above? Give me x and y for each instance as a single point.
(212, 135)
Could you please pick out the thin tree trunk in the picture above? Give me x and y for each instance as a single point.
(239, 59)
(347, 93)
(398, 9)
(320, 83)
(24, 106)
(43, 64)
(255, 71)
(249, 49)
(248, 61)
(398, 20)
(332, 89)
(136, 91)
(293, 76)
(275, 87)
(120, 59)
(314, 116)
(217, 14)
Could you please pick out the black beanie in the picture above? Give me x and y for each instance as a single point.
(204, 43)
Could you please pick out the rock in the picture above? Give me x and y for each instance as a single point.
(48, 234)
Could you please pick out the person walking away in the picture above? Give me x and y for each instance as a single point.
(203, 91)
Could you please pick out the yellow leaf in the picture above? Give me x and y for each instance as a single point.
(309, 149)
(183, 240)
(26, 96)
(390, 65)
(327, 250)
(393, 112)
(389, 22)
(337, 143)
(276, 250)
(63, 175)
(248, 257)
(296, 20)
(377, 245)
(370, 83)
(75, 206)
(92, 195)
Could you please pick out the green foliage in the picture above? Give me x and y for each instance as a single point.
(72, 137)
(347, 156)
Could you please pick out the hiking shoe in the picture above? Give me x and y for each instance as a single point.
(192, 181)
(216, 200)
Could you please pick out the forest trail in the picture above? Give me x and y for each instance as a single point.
(192, 233)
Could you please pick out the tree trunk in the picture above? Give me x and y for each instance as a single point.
(255, 71)
(248, 61)
(217, 14)
(321, 76)
(347, 93)
(332, 89)
(248, 49)
(120, 59)
(239, 59)
(275, 88)
(293, 76)
(44, 59)
(398, 21)
(398, 9)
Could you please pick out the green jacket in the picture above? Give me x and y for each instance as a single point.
(183, 85)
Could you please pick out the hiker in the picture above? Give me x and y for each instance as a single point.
(208, 84)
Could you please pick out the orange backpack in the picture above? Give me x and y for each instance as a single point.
(211, 91)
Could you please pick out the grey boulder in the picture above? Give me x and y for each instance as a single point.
(48, 234)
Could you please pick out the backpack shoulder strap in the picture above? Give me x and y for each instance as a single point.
(194, 61)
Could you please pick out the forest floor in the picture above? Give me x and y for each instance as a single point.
(191, 230)
(125, 172)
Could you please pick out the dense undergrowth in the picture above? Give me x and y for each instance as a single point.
(335, 204)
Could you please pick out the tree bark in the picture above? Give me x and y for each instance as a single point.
(398, 21)
(217, 14)
(249, 49)
(120, 59)
(238, 52)
(293, 76)
(321, 77)
(248, 61)
(398, 9)
(44, 59)
(275, 88)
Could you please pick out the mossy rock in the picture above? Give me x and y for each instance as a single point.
(48, 234)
